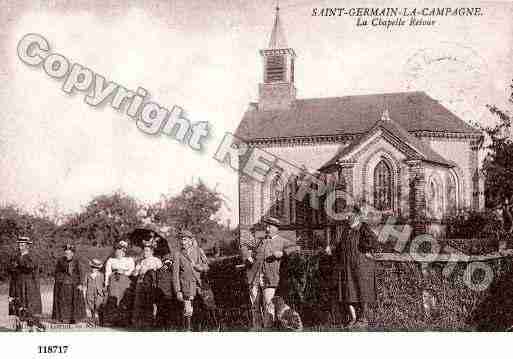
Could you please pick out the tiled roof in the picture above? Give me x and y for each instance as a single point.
(413, 111)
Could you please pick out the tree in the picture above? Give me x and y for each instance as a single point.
(498, 163)
(194, 208)
(104, 221)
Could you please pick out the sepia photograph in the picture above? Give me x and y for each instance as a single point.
(174, 166)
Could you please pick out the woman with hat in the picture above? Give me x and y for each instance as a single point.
(145, 271)
(68, 291)
(95, 291)
(118, 270)
(24, 290)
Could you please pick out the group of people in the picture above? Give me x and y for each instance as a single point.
(145, 292)
(152, 292)
(353, 270)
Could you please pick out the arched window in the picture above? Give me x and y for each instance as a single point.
(277, 198)
(434, 200)
(382, 186)
(452, 203)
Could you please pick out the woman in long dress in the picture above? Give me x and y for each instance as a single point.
(68, 293)
(118, 269)
(145, 288)
(24, 289)
(355, 268)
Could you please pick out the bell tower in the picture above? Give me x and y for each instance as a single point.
(277, 92)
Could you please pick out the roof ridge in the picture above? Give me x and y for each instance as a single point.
(368, 95)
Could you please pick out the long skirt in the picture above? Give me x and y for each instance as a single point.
(144, 300)
(68, 303)
(169, 312)
(24, 288)
(118, 307)
(169, 309)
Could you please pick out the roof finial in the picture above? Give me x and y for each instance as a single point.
(385, 116)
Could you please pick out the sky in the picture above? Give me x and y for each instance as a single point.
(203, 56)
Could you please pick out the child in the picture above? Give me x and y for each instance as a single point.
(95, 291)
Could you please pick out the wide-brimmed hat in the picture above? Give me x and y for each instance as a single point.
(24, 239)
(272, 221)
(69, 247)
(95, 263)
(121, 245)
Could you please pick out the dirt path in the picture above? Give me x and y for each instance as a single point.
(6, 322)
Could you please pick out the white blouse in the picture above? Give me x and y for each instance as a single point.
(123, 265)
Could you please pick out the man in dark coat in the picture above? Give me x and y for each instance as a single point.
(355, 268)
(262, 257)
(189, 263)
(24, 291)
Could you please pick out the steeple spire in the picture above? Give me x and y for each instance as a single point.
(277, 90)
(277, 40)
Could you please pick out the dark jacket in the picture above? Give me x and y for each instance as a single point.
(186, 279)
(68, 300)
(24, 284)
(68, 272)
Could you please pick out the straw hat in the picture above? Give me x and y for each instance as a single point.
(95, 263)
(272, 221)
(24, 239)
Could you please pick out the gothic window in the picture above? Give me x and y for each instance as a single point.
(434, 199)
(292, 200)
(382, 186)
(275, 68)
(277, 199)
(451, 194)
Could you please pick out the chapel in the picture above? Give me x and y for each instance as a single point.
(402, 153)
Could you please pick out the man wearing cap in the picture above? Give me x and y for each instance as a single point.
(263, 258)
(24, 290)
(189, 263)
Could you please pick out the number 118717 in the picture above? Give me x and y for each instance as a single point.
(52, 349)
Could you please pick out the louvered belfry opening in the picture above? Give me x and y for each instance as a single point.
(275, 68)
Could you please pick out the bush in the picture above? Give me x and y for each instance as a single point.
(474, 224)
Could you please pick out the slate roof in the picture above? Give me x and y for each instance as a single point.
(413, 111)
(416, 149)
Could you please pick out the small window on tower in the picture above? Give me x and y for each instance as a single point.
(275, 69)
(292, 70)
